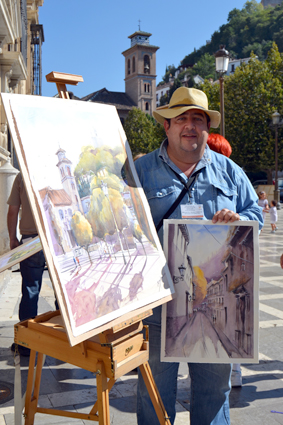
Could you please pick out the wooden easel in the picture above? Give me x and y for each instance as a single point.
(109, 355)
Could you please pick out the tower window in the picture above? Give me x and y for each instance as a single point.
(146, 64)
(145, 88)
(147, 106)
(134, 64)
(129, 66)
(69, 171)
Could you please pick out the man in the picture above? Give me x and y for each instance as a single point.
(222, 188)
(32, 268)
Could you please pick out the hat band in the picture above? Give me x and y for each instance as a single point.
(186, 104)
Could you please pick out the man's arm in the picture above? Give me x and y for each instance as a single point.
(12, 221)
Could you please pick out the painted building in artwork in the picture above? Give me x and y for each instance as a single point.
(21, 37)
(60, 205)
(58, 210)
(181, 270)
(68, 179)
(230, 298)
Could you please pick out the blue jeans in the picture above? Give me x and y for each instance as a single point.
(210, 388)
(31, 270)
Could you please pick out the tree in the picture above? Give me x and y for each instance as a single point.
(205, 67)
(252, 94)
(252, 28)
(143, 133)
(82, 231)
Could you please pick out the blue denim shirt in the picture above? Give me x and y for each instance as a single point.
(220, 183)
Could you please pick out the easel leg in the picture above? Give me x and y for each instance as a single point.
(32, 401)
(102, 395)
(154, 394)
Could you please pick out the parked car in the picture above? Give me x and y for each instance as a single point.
(263, 182)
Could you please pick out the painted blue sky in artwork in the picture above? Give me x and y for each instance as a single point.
(47, 124)
(206, 240)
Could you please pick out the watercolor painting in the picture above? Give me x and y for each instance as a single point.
(101, 246)
(213, 317)
(15, 256)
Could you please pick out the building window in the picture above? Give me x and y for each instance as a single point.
(146, 64)
(69, 171)
(73, 186)
(61, 214)
(233, 68)
(145, 88)
(62, 172)
(129, 66)
(157, 97)
(134, 64)
(148, 88)
(147, 106)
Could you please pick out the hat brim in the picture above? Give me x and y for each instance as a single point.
(165, 113)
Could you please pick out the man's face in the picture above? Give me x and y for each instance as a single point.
(187, 136)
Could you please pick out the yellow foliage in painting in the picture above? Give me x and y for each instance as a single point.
(201, 284)
(82, 229)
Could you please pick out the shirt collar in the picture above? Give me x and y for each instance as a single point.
(203, 162)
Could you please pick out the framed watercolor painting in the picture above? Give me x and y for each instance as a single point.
(94, 223)
(213, 317)
(15, 256)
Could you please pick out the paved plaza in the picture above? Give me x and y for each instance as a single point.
(66, 387)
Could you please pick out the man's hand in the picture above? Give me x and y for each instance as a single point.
(14, 243)
(225, 216)
(281, 261)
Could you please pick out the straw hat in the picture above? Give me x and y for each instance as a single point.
(184, 99)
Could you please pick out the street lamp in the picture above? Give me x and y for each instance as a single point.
(104, 188)
(276, 123)
(182, 269)
(221, 65)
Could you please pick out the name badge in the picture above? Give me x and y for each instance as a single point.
(192, 211)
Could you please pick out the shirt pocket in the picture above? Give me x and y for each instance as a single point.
(225, 196)
(160, 200)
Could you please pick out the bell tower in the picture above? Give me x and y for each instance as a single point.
(140, 71)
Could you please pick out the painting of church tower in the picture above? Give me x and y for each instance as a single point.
(68, 180)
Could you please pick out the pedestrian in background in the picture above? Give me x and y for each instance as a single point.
(273, 215)
(263, 203)
(32, 268)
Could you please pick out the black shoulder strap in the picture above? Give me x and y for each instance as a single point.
(185, 190)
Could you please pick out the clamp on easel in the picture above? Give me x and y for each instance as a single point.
(61, 79)
(110, 354)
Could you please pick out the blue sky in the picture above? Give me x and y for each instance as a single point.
(87, 37)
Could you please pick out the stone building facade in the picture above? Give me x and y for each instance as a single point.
(20, 72)
(140, 71)
(272, 3)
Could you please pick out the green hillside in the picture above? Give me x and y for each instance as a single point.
(251, 29)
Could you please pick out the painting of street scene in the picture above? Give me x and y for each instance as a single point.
(214, 267)
(20, 253)
(95, 217)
